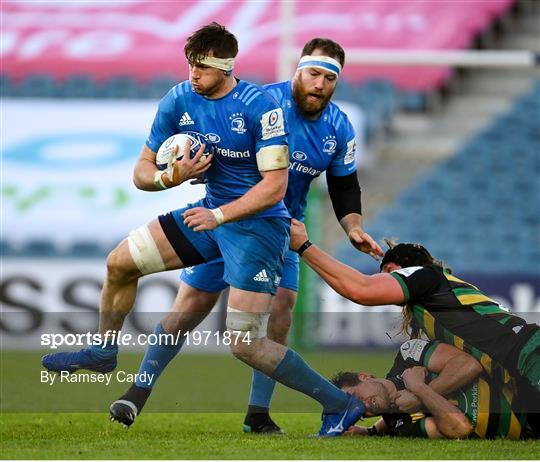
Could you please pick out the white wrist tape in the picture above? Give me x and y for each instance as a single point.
(158, 181)
(218, 214)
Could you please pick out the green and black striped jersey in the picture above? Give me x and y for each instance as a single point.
(487, 405)
(453, 311)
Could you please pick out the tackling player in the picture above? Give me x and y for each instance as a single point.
(321, 139)
(456, 401)
(444, 308)
(242, 219)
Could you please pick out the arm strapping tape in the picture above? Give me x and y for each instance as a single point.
(272, 158)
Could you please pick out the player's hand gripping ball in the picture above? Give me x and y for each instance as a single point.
(165, 154)
(172, 157)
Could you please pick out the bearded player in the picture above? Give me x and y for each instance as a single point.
(321, 139)
(242, 219)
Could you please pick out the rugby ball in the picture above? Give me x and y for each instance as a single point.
(165, 151)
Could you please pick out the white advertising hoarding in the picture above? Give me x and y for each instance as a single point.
(59, 296)
(67, 171)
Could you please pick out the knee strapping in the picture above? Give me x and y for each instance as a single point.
(144, 251)
(254, 323)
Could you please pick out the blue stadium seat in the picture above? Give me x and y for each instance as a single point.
(6, 249)
(86, 249)
(38, 85)
(413, 101)
(479, 210)
(378, 100)
(7, 86)
(79, 86)
(39, 248)
(123, 87)
(158, 87)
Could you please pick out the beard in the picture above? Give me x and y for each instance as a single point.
(310, 104)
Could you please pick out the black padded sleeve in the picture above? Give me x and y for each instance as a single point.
(345, 194)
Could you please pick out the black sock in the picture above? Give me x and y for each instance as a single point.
(137, 395)
(257, 410)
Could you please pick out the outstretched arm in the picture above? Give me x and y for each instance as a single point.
(352, 225)
(345, 195)
(378, 289)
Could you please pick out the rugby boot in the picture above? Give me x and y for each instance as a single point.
(261, 423)
(126, 408)
(337, 424)
(75, 360)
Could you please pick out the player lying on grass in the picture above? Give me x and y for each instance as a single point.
(242, 219)
(321, 139)
(445, 392)
(442, 307)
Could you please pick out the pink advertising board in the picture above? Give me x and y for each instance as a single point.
(145, 39)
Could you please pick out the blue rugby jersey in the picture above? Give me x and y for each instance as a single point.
(326, 144)
(239, 124)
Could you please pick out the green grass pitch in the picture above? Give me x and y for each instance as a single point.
(196, 412)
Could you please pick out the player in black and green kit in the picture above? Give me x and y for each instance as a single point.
(444, 308)
(479, 409)
(453, 311)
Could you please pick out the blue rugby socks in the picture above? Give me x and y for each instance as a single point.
(262, 389)
(157, 357)
(295, 373)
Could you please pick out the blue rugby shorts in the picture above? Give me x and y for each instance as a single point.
(252, 250)
(209, 276)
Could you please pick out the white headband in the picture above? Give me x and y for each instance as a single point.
(322, 62)
(224, 64)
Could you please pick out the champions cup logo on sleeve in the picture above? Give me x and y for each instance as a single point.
(321, 62)
(272, 123)
(273, 118)
(351, 150)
